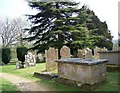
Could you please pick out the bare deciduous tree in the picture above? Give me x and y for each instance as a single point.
(11, 31)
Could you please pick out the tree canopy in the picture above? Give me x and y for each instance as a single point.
(60, 23)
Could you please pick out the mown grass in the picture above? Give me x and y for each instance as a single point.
(28, 73)
(6, 87)
(110, 85)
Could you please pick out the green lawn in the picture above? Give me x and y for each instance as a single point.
(6, 87)
(110, 85)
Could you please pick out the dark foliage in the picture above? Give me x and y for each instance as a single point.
(6, 55)
(21, 52)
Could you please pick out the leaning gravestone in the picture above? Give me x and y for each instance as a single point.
(50, 56)
(89, 54)
(65, 52)
(80, 54)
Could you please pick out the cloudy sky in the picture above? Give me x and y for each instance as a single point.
(106, 10)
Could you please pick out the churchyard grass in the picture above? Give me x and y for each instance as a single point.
(6, 87)
(110, 85)
(29, 71)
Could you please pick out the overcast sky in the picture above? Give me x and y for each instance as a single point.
(106, 10)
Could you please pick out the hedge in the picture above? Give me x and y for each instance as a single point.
(6, 55)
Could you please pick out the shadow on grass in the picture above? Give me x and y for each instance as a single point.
(55, 86)
(110, 85)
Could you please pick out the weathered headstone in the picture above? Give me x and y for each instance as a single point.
(65, 52)
(96, 54)
(30, 59)
(40, 57)
(50, 56)
(89, 54)
(80, 54)
(104, 49)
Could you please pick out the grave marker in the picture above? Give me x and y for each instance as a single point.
(50, 56)
(65, 52)
(80, 54)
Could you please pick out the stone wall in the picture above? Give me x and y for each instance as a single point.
(113, 56)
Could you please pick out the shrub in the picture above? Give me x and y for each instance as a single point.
(21, 52)
(6, 55)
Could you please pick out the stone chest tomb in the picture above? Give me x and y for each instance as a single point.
(112, 55)
(82, 71)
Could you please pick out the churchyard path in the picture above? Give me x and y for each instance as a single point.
(24, 84)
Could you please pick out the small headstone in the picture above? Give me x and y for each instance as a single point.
(96, 54)
(40, 57)
(89, 54)
(17, 65)
(80, 54)
(104, 49)
(65, 52)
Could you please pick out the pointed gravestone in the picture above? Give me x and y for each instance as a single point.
(50, 56)
(65, 52)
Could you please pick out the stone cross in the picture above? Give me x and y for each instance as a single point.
(65, 52)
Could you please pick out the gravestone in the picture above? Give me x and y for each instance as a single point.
(80, 54)
(50, 56)
(40, 57)
(19, 65)
(96, 54)
(30, 59)
(104, 49)
(89, 54)
(65, 52)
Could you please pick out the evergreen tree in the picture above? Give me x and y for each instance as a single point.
(53, 24)
(99, 32)
(59, 23)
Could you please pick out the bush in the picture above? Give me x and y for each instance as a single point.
(6, 55)
(21, 52)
